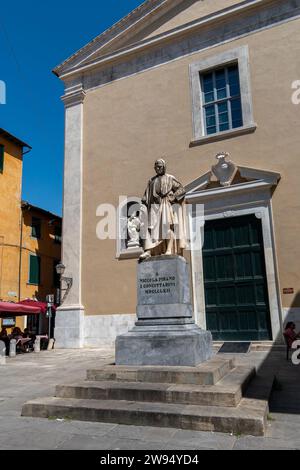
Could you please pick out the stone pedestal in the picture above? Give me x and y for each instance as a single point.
(165, 333)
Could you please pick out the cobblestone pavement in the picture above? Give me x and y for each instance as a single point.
(35, 375)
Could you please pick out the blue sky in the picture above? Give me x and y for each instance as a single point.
(34, 37)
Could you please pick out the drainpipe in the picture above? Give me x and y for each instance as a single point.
(21, 235)
(24, 152)
(20, 255)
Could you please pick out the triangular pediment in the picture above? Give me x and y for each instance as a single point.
(226, 174)
(182, 14)
(151, 19)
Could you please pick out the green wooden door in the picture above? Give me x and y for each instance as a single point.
(236, 296)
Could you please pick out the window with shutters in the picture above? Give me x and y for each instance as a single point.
(34, 270)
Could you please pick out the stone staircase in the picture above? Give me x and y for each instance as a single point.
(210, 397)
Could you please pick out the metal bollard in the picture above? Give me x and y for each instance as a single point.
(13, 348)
(50, 344)
(2, 353)
(37, 344)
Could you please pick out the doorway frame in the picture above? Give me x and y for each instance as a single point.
(254, 197)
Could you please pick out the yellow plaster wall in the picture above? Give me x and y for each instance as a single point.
(46, 248)
(10, 212)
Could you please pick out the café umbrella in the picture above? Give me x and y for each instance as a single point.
(11, 309)
(35, 303)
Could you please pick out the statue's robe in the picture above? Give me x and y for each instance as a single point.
(160, 214)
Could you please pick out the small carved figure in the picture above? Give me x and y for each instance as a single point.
(133, 228)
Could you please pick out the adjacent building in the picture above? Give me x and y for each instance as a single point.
(187, 80)
(41, 251)
(12, 151)
(30, 237)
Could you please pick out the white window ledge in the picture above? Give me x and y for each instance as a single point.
(224, 135)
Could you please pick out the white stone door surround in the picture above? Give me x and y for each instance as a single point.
(253, 197)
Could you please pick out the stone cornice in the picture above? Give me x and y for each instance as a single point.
(257, 179)
(220, 192)
(236, 26)
(180, 32)
(74, 96)
(124, 26)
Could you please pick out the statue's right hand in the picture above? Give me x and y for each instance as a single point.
(171, 197)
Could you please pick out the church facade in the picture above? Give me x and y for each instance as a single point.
(187, 81)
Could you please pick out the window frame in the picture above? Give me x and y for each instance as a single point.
(57, 238)
(40, 228)
(31, 255)
(217, 101)
(239, 56)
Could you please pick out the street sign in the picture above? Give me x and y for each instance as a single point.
(288, 290)
(50, 299)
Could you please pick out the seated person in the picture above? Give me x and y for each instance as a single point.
(28, 335)
(290, 333)
(18, 335)
(5, 338)
(3, 332)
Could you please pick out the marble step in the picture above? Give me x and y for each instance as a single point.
(227, 392)
(256, 346)
(249, 417)
(208, 373)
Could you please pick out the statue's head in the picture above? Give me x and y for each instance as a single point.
(160, 167)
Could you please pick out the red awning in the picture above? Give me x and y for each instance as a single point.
(10, 309)
(34, 303)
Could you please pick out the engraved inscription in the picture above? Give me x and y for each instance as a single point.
(158, 285)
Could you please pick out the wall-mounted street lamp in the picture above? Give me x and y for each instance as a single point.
(60, 269)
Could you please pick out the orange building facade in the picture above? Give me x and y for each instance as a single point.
(30, 237)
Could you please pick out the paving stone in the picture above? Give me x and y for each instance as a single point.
(84, 442)
(285, 430)
(86, 428)
(28, 439)
(286, 417)
(15, 423)
(254, 443)
(200, 440)
(53, 426)
(145, 433)
(133, 444)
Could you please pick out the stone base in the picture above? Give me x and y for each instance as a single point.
(165, 333)
(168, 347)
